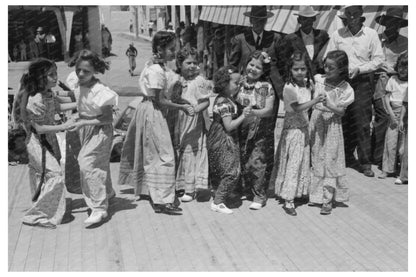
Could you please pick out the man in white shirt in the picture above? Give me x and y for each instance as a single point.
(365, 55)
(305, 39)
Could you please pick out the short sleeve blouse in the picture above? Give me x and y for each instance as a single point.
(396, 88)
(225, 107)
(91, 100)
(341, 95)
(293, 94)
(153, 76)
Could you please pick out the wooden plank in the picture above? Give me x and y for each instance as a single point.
(47, 259)
(22, 249)
(76, 248)
(33, 253)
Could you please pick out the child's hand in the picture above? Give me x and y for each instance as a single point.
(36, 108)
(321, 98)
(393, 122)
(248, 111)
(74, 126)
(189, 110)
(401, 126)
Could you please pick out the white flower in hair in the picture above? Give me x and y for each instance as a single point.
(230, 71)
(266, 57)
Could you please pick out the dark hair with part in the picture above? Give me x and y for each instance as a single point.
(341, 60)
(98, 63)
(36, 79)
(261, 56)
(162, 39)
(222, 78)
(183, 54)
(402, 60)
(299, 56)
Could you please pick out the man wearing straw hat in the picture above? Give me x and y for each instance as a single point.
(393, 45)
(305, 39)
(257, 38)
(365, 55)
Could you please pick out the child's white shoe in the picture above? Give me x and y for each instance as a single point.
(255, 206)
(221, 208)
(186, 198)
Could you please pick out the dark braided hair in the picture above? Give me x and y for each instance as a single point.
(162, 39)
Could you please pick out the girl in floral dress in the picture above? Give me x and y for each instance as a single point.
(46, 177)
(257, 132)
(292, 160)
(328, 182)
(190, 133)
(223, 143)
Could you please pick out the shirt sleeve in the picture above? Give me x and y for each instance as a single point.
(104, 96)
(156, 77)
(347, 97)
(223, 109)
(290, 94)
(376, 52)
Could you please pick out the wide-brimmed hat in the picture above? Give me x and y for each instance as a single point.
(343, 9)
(258, 12)
(392, 13)
(306, 11)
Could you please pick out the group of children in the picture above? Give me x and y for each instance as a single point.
(172, 151)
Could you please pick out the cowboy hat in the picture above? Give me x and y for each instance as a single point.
(259, 12)
(358, 12)
(306, 11)
(392, 13)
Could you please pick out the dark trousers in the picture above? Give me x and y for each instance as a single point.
(357, 119)
(380, 125)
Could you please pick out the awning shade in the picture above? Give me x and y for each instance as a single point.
(285, 21)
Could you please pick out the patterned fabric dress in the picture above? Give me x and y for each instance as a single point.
(327, 144)
(147, 160)
(223, 150)
(257, 141)
(293, 153)
(49, 208)
(190, 139)
(96, 141)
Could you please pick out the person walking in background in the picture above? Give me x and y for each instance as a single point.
(306, 38)
(147, 159)
(22, 50)
(395, 91)
(131, 53)
(393, 45)
(15, 53)
(150, 26)
(46, 177)
(257, 132)
(365, 55)
(223, 139)
(329, 181)
(292, 159)
(107, 40)
(95, 131)
(189, 138)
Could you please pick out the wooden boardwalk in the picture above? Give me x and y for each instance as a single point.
(369, 235)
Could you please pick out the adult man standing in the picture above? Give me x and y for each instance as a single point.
(257, 38)
(393, 45)
(365, 55)
(305, 39)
